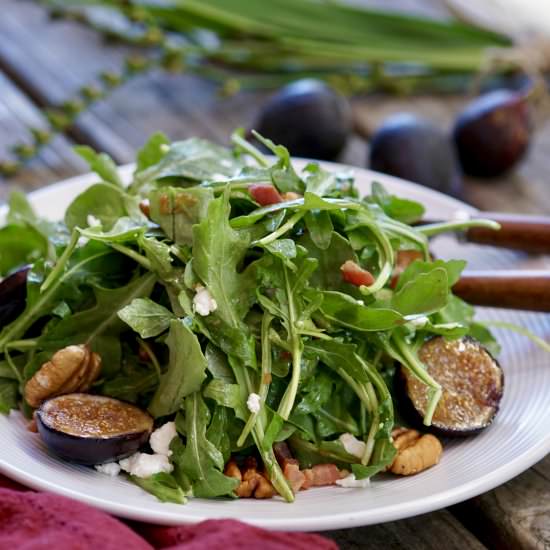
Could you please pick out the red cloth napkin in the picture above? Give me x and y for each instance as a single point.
(43, 521)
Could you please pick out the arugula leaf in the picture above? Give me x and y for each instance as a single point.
(349, 312)
(194, 159)
(20, 211)
(177, 210)
(102, 201)
(162, 485)
(146, 317)
(453, 268)
(99, 326)
(100, 163)
(186, 370)
(20, 245)
(202, 461)
(9, 394)
(328, 275)
(319, 226)
(282, 172)
(403, 210)
(124, 230)
(152, 152)
(425, 294)
(218, 252)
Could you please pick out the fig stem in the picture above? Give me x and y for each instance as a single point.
(436, 228)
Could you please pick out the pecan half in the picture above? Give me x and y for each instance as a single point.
(415, 452)
(70, 369)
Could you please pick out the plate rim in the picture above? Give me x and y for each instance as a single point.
(336, 520)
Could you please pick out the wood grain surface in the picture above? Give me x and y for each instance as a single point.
(44, 62)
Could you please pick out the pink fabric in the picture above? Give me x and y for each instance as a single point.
(43, 521)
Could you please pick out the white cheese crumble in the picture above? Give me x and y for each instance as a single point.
(146, 465)
(253, 403)
(461, 346)
(352, 445)
(93, 221)
(351, 482)
(461, 216)
(110, 468)
(203, 303)
(419, 322)
(162, 437)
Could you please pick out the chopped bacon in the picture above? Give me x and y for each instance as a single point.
(293, 475)
(282, 453)
(309, 478)
(325, 474)
(265, 194)
(145, 208)
(355, 274)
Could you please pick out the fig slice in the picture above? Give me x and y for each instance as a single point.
(92, 429)
(472, 383)
(13, 294)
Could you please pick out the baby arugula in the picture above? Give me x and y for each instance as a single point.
(282, 323)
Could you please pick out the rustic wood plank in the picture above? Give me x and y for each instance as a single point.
(427, 532)
(180, 105)
(514, 516)
(54, 163)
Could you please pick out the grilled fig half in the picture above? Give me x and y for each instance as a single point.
(472, 383)
(13, 293)
(92, 429)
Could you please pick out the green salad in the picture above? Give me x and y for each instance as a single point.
(245, 301)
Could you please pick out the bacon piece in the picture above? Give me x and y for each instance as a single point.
(355, 274)
(293, 475)
(282, 453)
(265, 194)
(309, 477)
(325, 474)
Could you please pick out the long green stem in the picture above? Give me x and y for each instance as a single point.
(61, 263)
(287, 402)
(287, 226)
(247, 147)
(436, 228)
(24, 321)
(375, 420)
(411, 361)
(264, 380)
(138, 258)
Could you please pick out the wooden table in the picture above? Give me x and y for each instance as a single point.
(42, 63)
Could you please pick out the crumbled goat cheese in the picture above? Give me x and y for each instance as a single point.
(461, 216)
(110, 468)
(419, 322)
(93, 221)
(203, 303)
(162, 437)
(461, 346)
(352, 445)
(146, 465)
(253, 403)
(351, 482)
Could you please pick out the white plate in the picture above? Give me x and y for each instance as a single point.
(518, 438)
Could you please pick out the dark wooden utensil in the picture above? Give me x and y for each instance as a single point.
(528, 290)
(518, 232)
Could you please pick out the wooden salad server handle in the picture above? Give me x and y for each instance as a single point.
(518, 232)
(511, 289)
